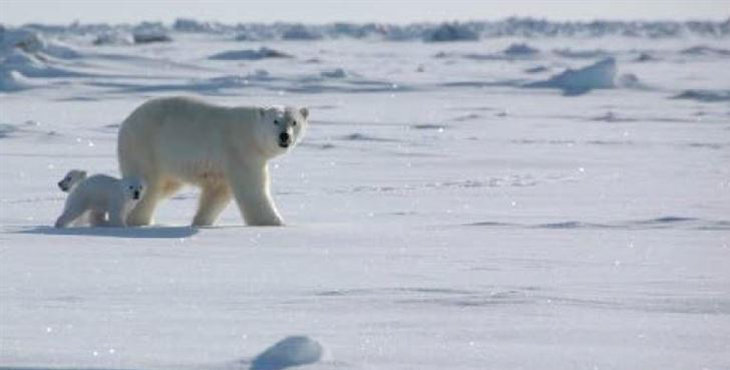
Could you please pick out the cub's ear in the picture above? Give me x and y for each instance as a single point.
(83, 173)
(304, 112)
(262, 112)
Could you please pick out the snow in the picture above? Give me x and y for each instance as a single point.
(440, 214)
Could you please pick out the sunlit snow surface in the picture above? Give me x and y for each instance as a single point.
(455, 205)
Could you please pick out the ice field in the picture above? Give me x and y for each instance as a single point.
(514, 195)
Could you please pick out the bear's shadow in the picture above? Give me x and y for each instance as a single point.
(153, 232)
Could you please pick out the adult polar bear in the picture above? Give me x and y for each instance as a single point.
(168, 142)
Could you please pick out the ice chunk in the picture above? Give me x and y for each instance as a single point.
(300, 32)
(146, 33)
(191, 25)
(291, 351)
(147, 38)
(599, 75)
(452, 32)
(520, 50)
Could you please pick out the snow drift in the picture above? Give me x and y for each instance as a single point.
(290, 351)
(599, 75)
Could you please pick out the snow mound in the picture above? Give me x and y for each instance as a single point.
(299, 32)
(7, 129)
(520, 50)
(599, 75)
(114, 38)
(31, 42)
(707, 96)
(645, 57)
(11, 80)
(452, 32)
(290, 351)
(335, 73)
(250, 54)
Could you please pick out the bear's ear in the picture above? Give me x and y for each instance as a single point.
(304, 112)
(262, 112)
(83, 174)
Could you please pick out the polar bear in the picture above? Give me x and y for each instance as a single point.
(100, 195)
(169, 142)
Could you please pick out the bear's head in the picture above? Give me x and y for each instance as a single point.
(133, 188)
(281, 128)
(72, 178)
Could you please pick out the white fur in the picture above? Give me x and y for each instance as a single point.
(71, 179)
(225, 151)
(99, 196)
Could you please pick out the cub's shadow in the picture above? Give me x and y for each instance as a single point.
(153, 232)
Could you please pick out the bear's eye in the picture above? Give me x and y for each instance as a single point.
(131, 187)
(294, 123)
(67, 179)
(276, 122)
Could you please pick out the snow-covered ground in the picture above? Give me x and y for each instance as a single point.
(559, 201)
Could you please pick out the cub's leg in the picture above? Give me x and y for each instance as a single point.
(70, 213)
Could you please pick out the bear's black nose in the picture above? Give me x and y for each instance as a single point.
(284, 137)
(136, 194)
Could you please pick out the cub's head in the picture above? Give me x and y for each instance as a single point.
(72, 178)
(133, 188)
(281, 128)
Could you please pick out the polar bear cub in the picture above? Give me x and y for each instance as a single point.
(170, 142)
(71, 179)
(101, 196)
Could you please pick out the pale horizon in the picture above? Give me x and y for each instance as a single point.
(15, 13)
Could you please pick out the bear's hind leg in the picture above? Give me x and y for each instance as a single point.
(213, 200)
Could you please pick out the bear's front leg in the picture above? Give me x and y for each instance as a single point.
(70, 213)
(250, 184)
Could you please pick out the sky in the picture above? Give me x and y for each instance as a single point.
(17, 12)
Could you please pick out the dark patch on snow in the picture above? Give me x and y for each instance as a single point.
(156, 232)
(250, 54)
(707, 96)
